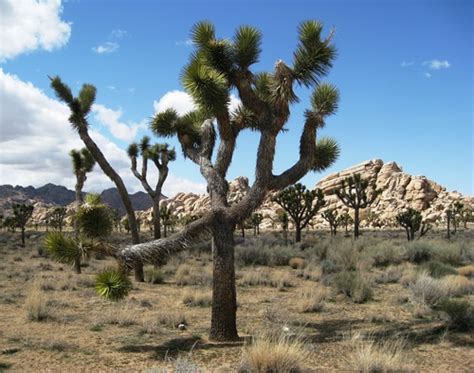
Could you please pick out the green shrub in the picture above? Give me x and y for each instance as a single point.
(385, 253)
(112, 284)
(252, 255)
(460, 312)
(344, 254)
(419, 251)
(353, 285)
(154, 276)
(281, 255)
(437, 269)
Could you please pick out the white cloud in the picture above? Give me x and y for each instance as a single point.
(406, 64)
(183, 103)
(36, 137)
(437, 64)
(185, 43)
(427, 75)
(27, 25)
(107, 47)
(111, 120)
(118, 34)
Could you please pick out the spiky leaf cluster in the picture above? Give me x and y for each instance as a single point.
(82, 160)
(80, 106)
(332, 217)
(356, 192)
(112, 284)
(94, 218)
(62, 248)
(159, 153)
(410, 219)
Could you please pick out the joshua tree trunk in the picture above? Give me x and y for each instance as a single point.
(224, 300)
(23, 236)
(298, 233)
(356, 223)
(449, 226)
(156, 217)
(285, 236)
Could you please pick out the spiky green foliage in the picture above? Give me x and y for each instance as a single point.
(247, 42)
(82, 161)
(333, 218)
(202, 33)
(132, 150)
(327, 152)
(112, 284)
(94, 218)
(313, 56)
(325, 99)
(22, 212)
(61, 247)
(410, 219)
(301, 204)
(63, 92)
(87, 98)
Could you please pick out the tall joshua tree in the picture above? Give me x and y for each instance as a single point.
(160, 155)
(217, 68)
(80, 107)
(301, 205)
(21, 214)
(355, 193)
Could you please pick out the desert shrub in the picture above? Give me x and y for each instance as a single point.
(456, 285)
(171, 319)
(154, 276)
(460, 313)
(328, 267)
(314, 300)
(392, 274)
(282, 282)
(370, 356)
(410, 274)
(419, 251)
(437, 269)
(112, 284)
(428, 290)
(258, 277)
(274, 354)
(281, 255)
(467, 271)
(252, 255)
(385, 253)
(344, 254)
(452, 253)
(297, 263)
(310, 272)
(37, 307)
(353, 285)
(190, 275)
(121, 316)
(197, 299)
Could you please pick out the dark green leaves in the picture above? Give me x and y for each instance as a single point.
(202, 33)
(313, 56)
(247, 42)
(325, 99)
(112, 284)
(62, 248)
(63, 92)
(87, 98)
(327, 152)
(82, 160)
(164, 123)
(132, 150)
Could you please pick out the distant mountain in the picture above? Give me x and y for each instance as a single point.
(61, 196)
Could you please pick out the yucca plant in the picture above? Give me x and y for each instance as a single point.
(112, 284)
(62, 248)
(94, 218)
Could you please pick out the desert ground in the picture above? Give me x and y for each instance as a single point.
(53, 320)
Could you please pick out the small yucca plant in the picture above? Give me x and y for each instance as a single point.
(62, 248)
(112, 284)
(94, 218)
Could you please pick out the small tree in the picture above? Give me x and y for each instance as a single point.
(301, 205)
(449, 219)
(166, 218)
(411, 220)
(282, 217)
(333, 218)
(21, 214)
(466, 216)
(56, 218)
(160, 155)
(354, 192)
(256, 220)
(346, 221)
(457, 212)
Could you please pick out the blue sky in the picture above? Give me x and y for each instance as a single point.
(404, 70)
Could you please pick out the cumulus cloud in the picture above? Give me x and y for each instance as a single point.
(28, 25)
(36, 137)
(183, 103)
(107, 47)
(437, 64)
(111, 120)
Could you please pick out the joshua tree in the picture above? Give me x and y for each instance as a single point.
(457, 211)
(217, 68)
(411, 220)
(21, 214)
(283, 220)
(80, 107)
(56, 218)
(354, 193)
(334, 220)
(256, 220)
(346, 220)
(10, 223)
(301, 205)
(449, 219)
(95, 223)
(166, 217)
(160, 155)
(466, 216)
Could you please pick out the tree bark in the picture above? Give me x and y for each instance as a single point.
(224, 299)
(77, 265)
(23, 236)
(298, 233)
(356, 223)
(156, 217)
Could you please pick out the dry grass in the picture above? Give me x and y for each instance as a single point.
(282, 354)
(311, 272)
(313, 301)
(467, 271)
(428, 290)
(122, 315)
(192, 275)
(37, 307)
(457, 285)
(370, 356)
(392, 274)
(297, 263)
(197, 298)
